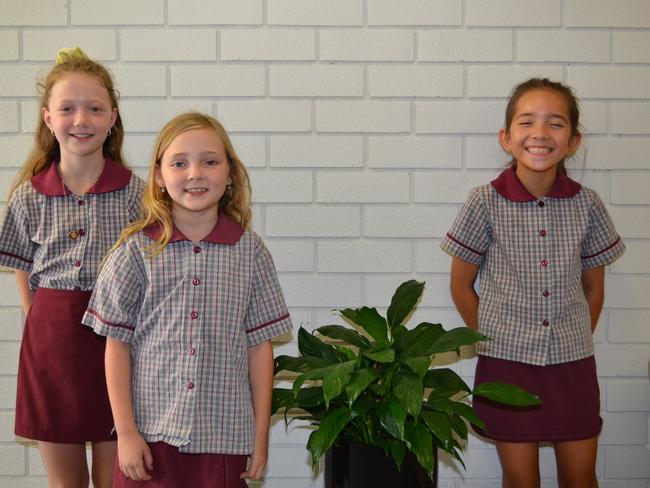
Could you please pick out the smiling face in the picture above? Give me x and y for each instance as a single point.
(195, 171)
(540, 135)
(80, 114)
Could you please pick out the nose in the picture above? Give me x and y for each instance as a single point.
(80, 117)
(540, 130)
(194, 171)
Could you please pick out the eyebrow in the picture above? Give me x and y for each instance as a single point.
(550, 116)
(203, 154)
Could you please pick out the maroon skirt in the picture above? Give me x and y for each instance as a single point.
(61, 393)
(570, 396)
(173, 469)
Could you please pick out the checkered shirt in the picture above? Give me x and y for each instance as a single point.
(35, 235)
(531, 254)
(189, 315)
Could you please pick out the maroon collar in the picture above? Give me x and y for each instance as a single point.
(114, 177)
(225, 231)
(508, 186)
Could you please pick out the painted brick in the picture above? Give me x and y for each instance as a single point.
(42, 45)
(522, 13)
(291, 255)
(414, 12)
(414, 152)
(139, 80)
(485, 152)
(630, 188)
(14, 150)
(124, 12)
(408, 221)
(429, 258)
(265, 115)
(20, 80)
(217, 81)
(465, 45)
(618, 152)
(498, 81)
(623, 428)
(8, 45)
(446, 186)
(366, 45)
(297, 432)
(314, 12)
(30, 115)
(607, 13)
(362, 116)
(458, 117)
(312, 221)
(631, 47)
(215, 12)
(34, 12)
(138, 149)
(380, 289)
(630, 118)
(563, 46)
(629, 325)
(7, 177)
(315, 151)
(267, 45)
(628, 291)
(150, 116)
(168, 45)
(627, 462)
(251, 150)
(632, 221)
(628, 395)
(315, 81)
(362, 187)
(622, 360)
(7, 426)
(321, 291)
(635, 260)
(9, 357)
(281, 186)
(383, 256)
(415, 81)
(11, 323)
(610, 82)
(8, 117)
(8, 392)
(593, 118)
(12, 459)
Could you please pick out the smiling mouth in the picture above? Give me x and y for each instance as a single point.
(538, 151)
(196, 190)
(82, 136)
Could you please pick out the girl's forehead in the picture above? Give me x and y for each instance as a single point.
(542, 100)
(77, 83)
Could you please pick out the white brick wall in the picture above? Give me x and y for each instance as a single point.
(364, 124)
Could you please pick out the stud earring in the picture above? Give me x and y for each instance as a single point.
(109, 132)
(163, 189)
(52, 132)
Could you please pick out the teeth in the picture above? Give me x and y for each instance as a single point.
(538, 150)
(196, 190)
(81, 136)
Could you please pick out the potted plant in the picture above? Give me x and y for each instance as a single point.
(375, 391)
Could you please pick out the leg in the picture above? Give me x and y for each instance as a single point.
(65, 464)
(576, 463)
(520, 464)
(103, 463)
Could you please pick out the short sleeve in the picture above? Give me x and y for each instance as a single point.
(115, 304)
(470, 235)
(602, 244)
(136, 191)
(17, 250)
(267, 314)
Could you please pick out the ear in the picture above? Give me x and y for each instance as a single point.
(157, 175)
(574, 144)
(113, 116)
(45, 113)
(505, 141)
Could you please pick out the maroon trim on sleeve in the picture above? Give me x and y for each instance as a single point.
(106, 322)
(11, 255)
(279, 319)
(604, 250)
(466, 247)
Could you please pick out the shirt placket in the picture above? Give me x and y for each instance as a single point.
(545, 266)
(78, 225)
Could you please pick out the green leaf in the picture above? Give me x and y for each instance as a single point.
(439, 424)
(459, 426)
(417, 342)
(359, 382)
(468, 413)
(344, 334)
(368, 318)
(507, 394)
(330, 427)
(314, 374)
(282, 398)
(299, 364)
(421, 444)
(310, 397)
(347, 353)
(409, 390)
(441, 404)
(392, 418)
(395, 448)
(403, 301)
(453, 339)
(381, 354)
(335, 381)
(418, 365)
(310, 345)
(445, 382)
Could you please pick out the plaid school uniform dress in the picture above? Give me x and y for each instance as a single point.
(531, 253)
(61, 393)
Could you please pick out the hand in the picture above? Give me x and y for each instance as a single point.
(134, 456)
(256, 465)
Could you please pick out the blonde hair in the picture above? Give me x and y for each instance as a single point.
(46, 147)
(157, 205)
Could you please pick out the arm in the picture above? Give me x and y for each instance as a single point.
(133, 451)
(463, 276)
(593, 284)
(25, 293)
(260, 374)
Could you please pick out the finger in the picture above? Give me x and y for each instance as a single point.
(245, 475)
(148, 459)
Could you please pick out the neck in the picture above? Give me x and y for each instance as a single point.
(195, 225)
(538, 184)
(80, 174)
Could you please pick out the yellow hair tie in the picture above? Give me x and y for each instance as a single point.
(67, 54)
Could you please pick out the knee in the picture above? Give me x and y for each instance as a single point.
(578, 480)
(521, 481)
(102, 480)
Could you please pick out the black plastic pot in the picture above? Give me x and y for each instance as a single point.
(363, 466)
